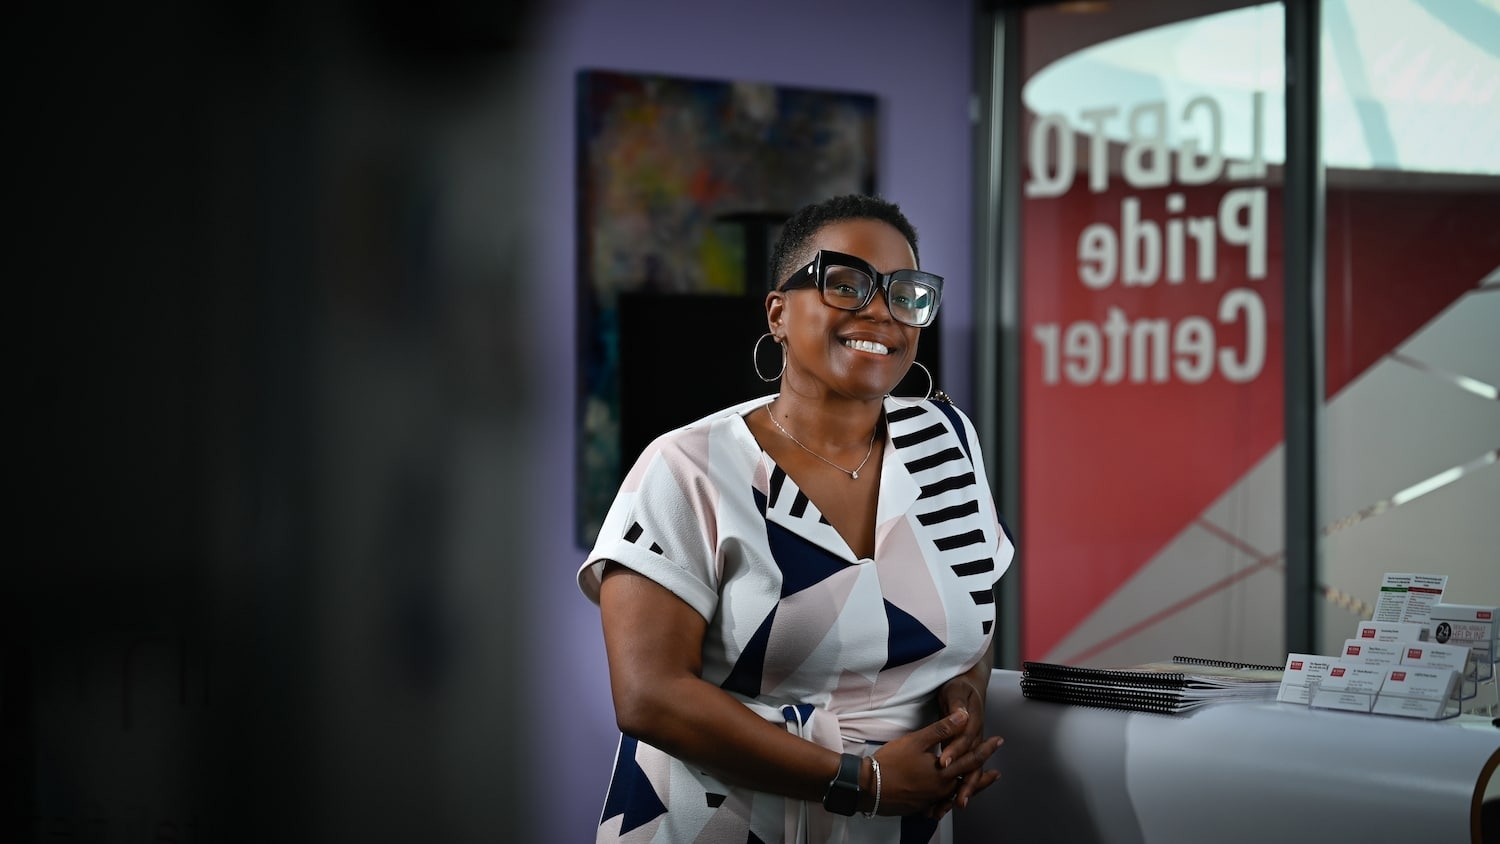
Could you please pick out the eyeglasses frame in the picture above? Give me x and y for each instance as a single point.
(882, 281)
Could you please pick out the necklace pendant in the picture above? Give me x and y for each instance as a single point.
(853, 476)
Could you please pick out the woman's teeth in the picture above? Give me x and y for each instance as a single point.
(867, 346)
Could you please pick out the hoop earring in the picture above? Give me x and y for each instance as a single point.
(930, 387)
(755, 358)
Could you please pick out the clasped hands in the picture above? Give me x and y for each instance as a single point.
(932, 770)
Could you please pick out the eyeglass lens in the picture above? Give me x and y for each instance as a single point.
(910, 302)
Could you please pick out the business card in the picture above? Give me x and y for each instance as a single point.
(1418, 681)
(1392, 631)
(1372, 652)
(1415, 691)
(1347, 676)
(1300, 673)
(1350, 686)
(1453, 657)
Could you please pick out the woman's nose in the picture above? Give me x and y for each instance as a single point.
(878, 301)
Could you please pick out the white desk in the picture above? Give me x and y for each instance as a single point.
(1227, 773)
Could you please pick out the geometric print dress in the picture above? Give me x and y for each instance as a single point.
(842, 651)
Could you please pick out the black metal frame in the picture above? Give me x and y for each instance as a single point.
(1304, 329)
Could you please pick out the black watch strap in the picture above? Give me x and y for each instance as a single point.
(843, 792)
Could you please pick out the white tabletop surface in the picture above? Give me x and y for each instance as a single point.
(1230, 772)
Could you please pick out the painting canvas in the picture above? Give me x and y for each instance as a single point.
(682, 185)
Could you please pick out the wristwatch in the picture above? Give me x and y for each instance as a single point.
(843, 792)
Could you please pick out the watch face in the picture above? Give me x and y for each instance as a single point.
(841, 800)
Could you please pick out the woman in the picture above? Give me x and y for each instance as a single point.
(795, 591)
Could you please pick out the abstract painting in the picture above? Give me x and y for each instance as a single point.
(681, 185)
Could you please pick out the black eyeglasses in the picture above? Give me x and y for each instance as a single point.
(849, 283)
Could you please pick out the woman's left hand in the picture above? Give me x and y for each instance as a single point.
(962, 692)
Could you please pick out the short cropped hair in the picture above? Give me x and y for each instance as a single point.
(793, 246)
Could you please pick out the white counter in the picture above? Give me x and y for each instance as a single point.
(1226, 773)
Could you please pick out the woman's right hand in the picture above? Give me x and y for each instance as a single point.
(921, 771)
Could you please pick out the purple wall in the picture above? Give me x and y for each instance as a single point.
(916, 58)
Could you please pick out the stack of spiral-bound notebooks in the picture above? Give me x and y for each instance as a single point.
(1181, 685)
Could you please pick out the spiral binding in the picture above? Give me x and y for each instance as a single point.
(1224, 663)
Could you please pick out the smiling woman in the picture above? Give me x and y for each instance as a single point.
(796, 592)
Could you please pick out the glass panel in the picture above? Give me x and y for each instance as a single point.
(1152, 388)
(1411, 139)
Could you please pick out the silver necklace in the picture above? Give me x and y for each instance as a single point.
(854, 475)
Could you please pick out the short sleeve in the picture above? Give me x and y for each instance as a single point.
(662, 524)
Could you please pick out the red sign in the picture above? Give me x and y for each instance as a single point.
(1352, 650)
(1337, 672)
(1367, 633)
(1152, 345)
(1296, 665)
(1413, 653)
(1398, 676)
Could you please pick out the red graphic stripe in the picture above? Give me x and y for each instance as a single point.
(1172, 609)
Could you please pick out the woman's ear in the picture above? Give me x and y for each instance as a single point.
(775, 313)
